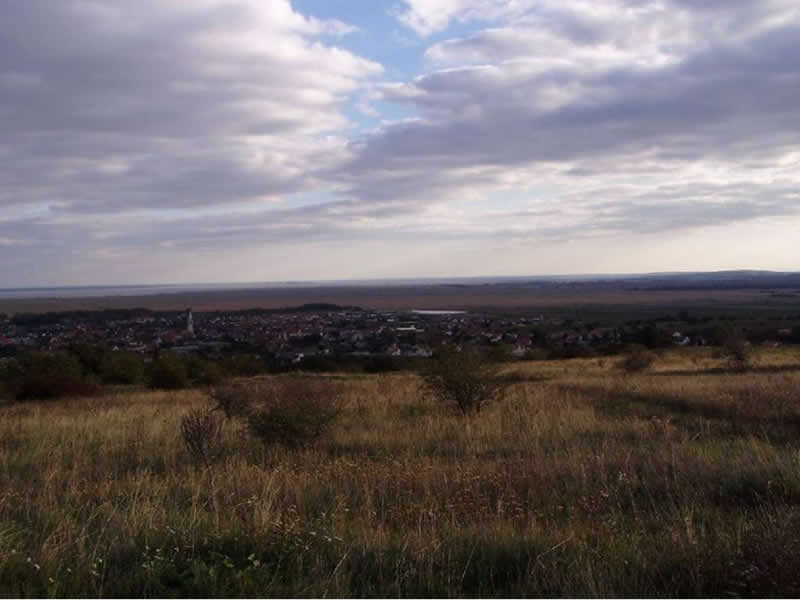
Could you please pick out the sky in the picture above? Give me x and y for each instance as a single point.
(165, 141)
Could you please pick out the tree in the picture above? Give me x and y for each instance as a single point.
(52, 375)
(126, 368)
(735, 348)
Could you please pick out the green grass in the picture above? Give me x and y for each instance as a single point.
(583, 481)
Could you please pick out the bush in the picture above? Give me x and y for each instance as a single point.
(201, 431)
(463, 379)
(51, 375)
(205, 372)
(169, 373)
(10, 376)
(124, 368)
(637, 360)
(90, 356)
(233, 400)
(294, 412)
(735, 349)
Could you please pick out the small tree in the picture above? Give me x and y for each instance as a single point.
(736, 350)
(464, 379)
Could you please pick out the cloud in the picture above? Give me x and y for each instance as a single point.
(156, 132)
(581, 17)
(110, 106)
(635, 88)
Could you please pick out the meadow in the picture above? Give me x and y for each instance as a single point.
(581, 481)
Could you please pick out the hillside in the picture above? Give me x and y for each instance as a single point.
(582, 481)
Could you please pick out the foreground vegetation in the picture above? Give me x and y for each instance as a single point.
(582, 479)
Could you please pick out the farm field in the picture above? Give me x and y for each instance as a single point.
(581, 481)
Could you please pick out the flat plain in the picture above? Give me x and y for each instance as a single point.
(505, 296)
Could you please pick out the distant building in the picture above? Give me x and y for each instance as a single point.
(189, 322)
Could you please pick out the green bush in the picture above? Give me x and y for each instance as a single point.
(463, 379)
(169, 373)
(736, 350)
(90, 356)
(46, 375)
(292, 412)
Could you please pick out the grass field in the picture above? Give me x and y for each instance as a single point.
(582, 481)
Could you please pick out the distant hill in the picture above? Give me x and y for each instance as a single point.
(715, 280)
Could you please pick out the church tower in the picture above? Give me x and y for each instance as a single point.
(189, 322)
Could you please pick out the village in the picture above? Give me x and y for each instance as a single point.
(326, 330)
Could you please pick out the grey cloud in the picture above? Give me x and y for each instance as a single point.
(721, 102)
(129, 129)
(196, 103)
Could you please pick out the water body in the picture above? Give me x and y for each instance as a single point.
(439, 312)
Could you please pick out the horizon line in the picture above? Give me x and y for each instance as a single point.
(498, 278)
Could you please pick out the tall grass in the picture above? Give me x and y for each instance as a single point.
(582, 481)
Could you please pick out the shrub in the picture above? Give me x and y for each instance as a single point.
(293, 413)
(637, 360)
(124, 368)
(169, 373)
(90, 356)
(205, 372)
(10, 376)
(735, 349)
(463, 379)
(51, 375)
(233, 400)
(201, 432)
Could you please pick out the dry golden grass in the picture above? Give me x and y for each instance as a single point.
(582, 481)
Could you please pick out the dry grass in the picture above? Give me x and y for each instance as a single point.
(583, 481)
